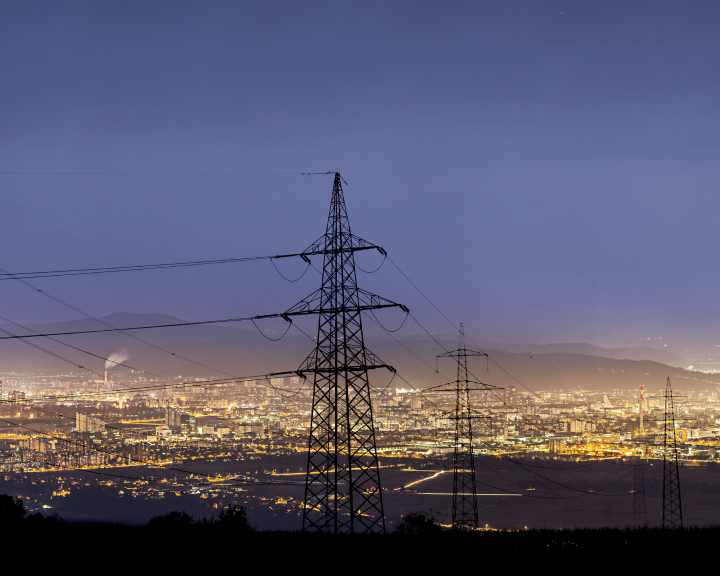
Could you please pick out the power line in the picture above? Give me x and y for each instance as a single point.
(66, 233)
(426, 298)
(161, 266)
(202, 383)
(46, 351)
(583, 492)
(172, 325)
(444, 348)
(137, 268)
(38, 173)
(312, 250)
(519, 463)
(453, 325)
(68, 346)
(417, 288)
(99, 321)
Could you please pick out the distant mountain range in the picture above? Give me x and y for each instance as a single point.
(634, 353)
(214, 351)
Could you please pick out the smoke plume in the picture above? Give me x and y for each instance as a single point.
(114, 359)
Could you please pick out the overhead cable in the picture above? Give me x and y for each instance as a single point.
(5, 275)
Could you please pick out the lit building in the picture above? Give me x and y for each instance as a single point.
(172, 417)
(85, 423)
(581, 426)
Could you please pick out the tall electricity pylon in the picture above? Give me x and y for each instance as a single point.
(639, 510)
(465, 511)
(342, 484)
(672, 506)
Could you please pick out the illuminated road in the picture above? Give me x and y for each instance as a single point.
(450, 494)
(423, 479)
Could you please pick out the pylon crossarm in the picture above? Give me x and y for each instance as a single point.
(343, 370)
(313, 304)
(482, 387)
(355, 244)
(314, 365)
(308, 310)
(461, 353)
(372, 301)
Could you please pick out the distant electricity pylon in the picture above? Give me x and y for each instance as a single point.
(342, 484)
(672, 507)
(639, 509)
(465, 511)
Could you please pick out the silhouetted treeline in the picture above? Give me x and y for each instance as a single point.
(418, 542)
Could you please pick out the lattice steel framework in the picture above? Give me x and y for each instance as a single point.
(639, 509)
(672, 506)
(342, 485)
(465, 511)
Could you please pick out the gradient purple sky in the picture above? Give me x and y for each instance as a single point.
(544, 171)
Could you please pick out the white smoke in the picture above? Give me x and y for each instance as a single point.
(114, 359)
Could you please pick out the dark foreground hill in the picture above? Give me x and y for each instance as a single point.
(212, 549)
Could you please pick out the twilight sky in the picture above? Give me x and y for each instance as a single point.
(544, 171)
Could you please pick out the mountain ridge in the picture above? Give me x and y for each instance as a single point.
(219, 350)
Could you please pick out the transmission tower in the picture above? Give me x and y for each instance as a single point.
(639, 510)
(465, 512)
(342, 484)
(672, 507)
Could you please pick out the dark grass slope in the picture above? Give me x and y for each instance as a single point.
(229, 541)
(199, 547)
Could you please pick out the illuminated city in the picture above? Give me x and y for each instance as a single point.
(389, 280)
(257, 431)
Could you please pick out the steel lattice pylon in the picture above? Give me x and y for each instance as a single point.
(342, 485)
(672, 506)
(465, 511)
(639, 510)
